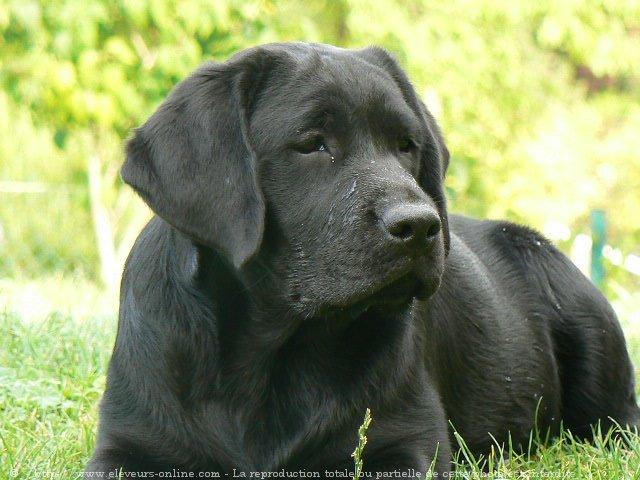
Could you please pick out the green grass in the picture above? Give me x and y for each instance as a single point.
(52, 374)
(51, 378)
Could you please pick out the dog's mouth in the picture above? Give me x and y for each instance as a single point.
(399, 290)
(395, 294)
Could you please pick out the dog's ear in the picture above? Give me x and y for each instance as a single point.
(192, 161)
(435, 158)
(432, 174)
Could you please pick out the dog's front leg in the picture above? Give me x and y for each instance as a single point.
(116, 465)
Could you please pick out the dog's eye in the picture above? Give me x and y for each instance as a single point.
(311, 145)
(406, 145)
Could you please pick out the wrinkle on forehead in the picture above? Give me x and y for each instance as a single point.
(339, 88)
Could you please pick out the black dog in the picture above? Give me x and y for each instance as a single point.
(302, 267)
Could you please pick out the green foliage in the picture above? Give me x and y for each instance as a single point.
(539, 101)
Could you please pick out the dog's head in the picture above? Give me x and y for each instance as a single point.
(319, 164)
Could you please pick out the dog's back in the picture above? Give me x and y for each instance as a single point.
(560, 357)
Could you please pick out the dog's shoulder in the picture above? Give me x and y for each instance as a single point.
(160, 255)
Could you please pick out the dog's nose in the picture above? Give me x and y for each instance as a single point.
(414, 226)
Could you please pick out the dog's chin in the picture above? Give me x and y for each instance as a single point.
(392, 296)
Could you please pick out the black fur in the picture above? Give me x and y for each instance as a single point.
(301, 269)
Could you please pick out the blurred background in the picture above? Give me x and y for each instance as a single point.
(539, 102)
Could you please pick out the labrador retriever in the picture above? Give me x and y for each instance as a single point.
(302, 267)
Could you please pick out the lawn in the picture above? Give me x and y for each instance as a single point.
(52, 372)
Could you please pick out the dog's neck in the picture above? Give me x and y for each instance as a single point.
(245, 355)
(260, 337)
